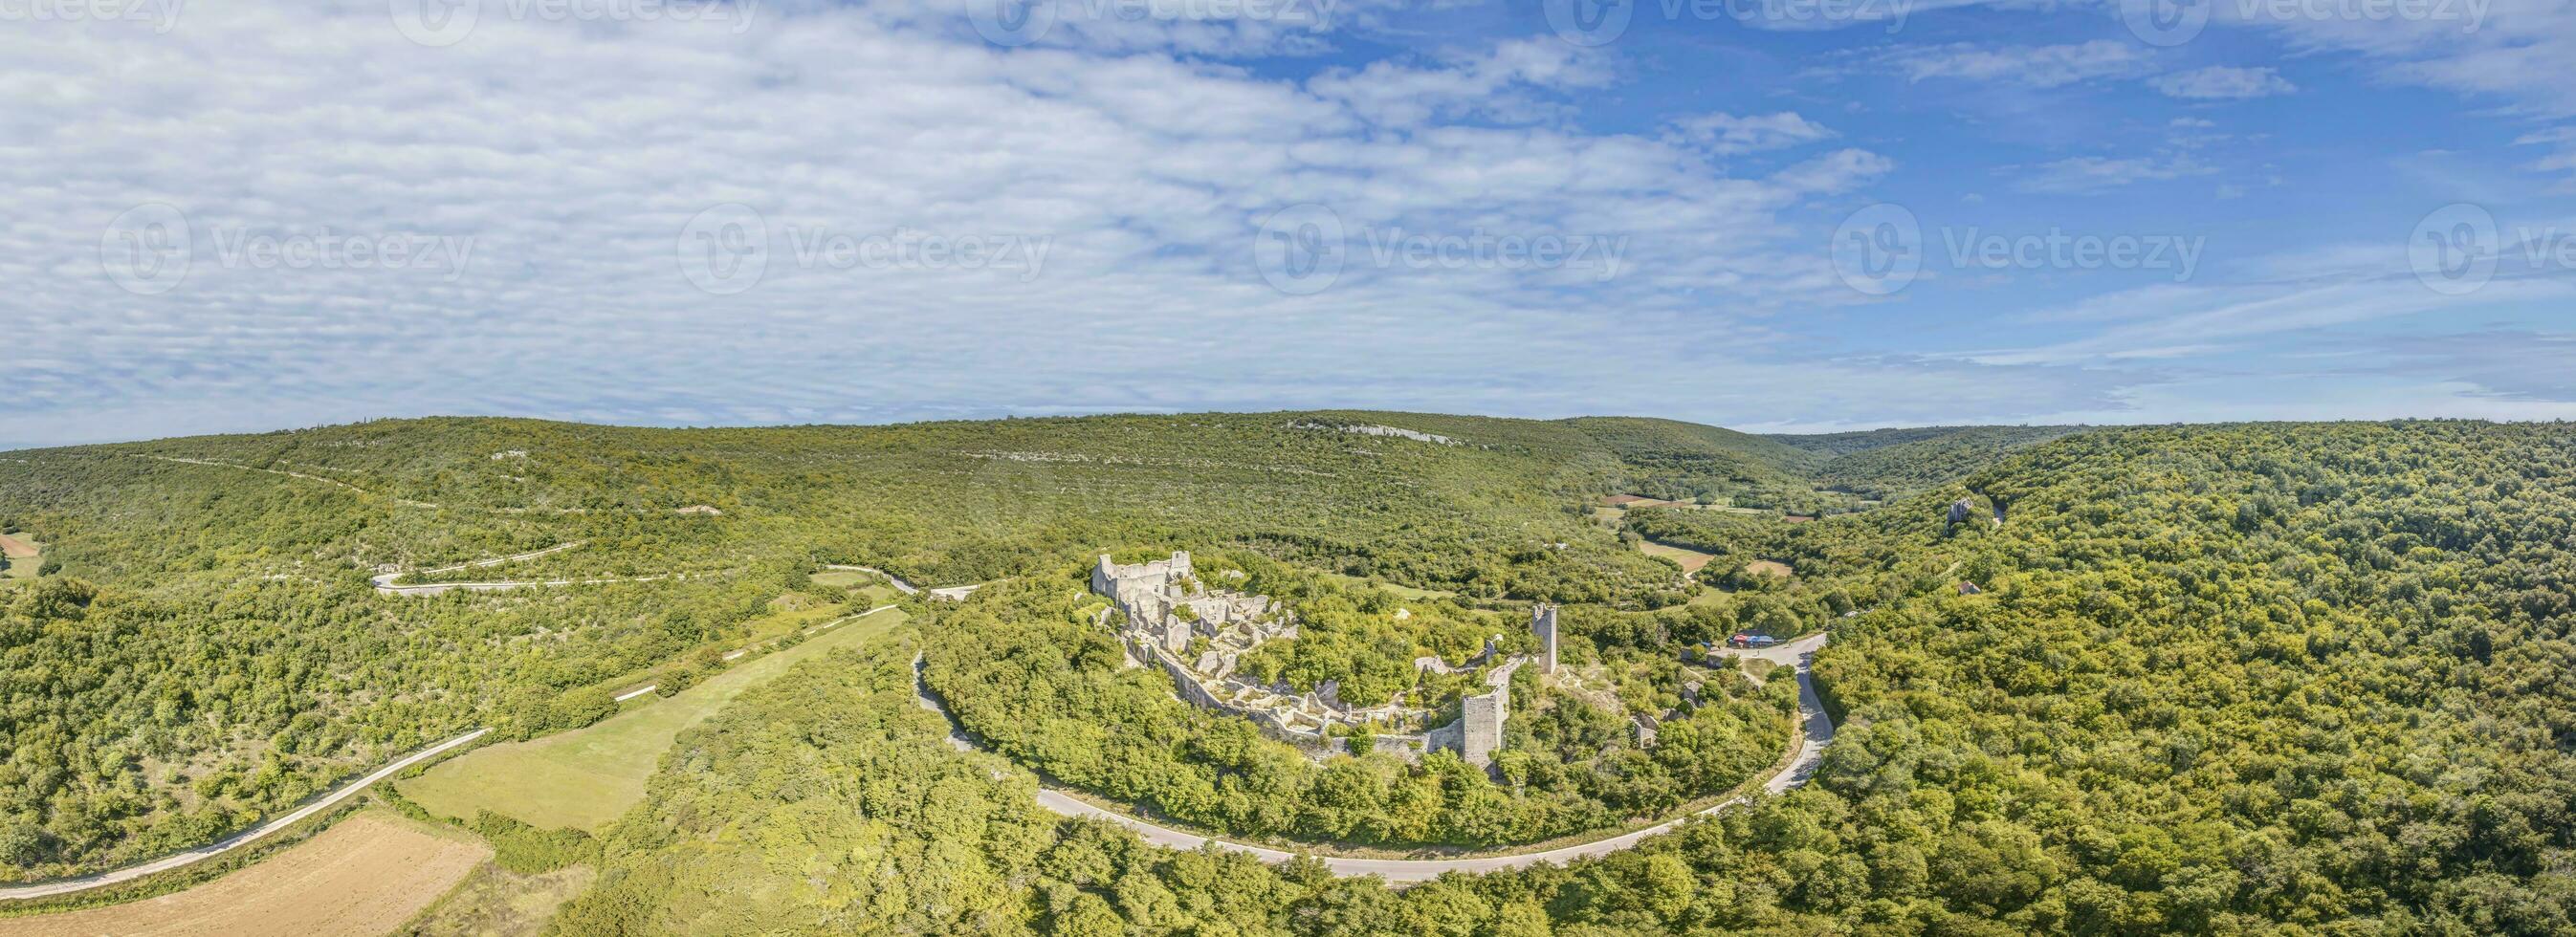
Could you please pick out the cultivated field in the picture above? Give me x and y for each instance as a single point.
(366, 875)
(586, 779)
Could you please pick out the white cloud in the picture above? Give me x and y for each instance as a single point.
(574, 158)
(2220, 82)
(2029, 66)
(1495, 84)
(2076, 175)
(1734, 135)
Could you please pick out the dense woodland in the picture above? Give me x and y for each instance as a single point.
(2265, 678)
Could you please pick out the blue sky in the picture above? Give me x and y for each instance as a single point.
(1781, 216)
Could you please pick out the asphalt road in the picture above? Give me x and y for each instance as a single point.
(255, 834)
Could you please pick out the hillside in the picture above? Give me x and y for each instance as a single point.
(212, 647)
(1677, 461)
(1887, 463)
(2293, 678)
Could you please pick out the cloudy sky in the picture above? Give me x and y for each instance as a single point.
(1769, 214)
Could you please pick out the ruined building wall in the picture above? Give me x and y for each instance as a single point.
(1145, 592)
(1543, 621)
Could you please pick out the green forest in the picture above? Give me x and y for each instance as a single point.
(2258, 678)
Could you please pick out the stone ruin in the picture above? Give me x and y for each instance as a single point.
(1168, 608)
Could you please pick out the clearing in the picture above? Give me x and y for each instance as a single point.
(367, 874)
(496, 902)
(843, 578)
(1691, 560)
(23, 555)
(585, 779)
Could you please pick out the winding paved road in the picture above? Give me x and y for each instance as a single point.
(253, 835)
(950, 593)
(1817, 731)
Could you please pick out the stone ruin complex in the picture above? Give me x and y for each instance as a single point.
(1168, 609)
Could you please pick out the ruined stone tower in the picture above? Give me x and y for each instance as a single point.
(1543, 622)
(1480, 717)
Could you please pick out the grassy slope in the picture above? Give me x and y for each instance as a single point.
(586, 778)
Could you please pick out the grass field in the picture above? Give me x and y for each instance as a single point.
(1691, 560)
(24, 556)
(367, 874)
(1768, 568)
(586, 778)
(496, 902)
(844, 578)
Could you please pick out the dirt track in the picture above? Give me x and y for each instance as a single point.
(365, 875)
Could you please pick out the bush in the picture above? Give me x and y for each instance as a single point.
(528, 850)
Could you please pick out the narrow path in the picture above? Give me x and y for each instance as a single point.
(385, 581)
(405, 502)
(1816, 732)
(437, 588)
(255, 834)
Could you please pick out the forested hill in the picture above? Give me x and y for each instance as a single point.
(1470, 503)
(2265, 678)
(2271, 678)
(1889, 463)
(206, 646)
